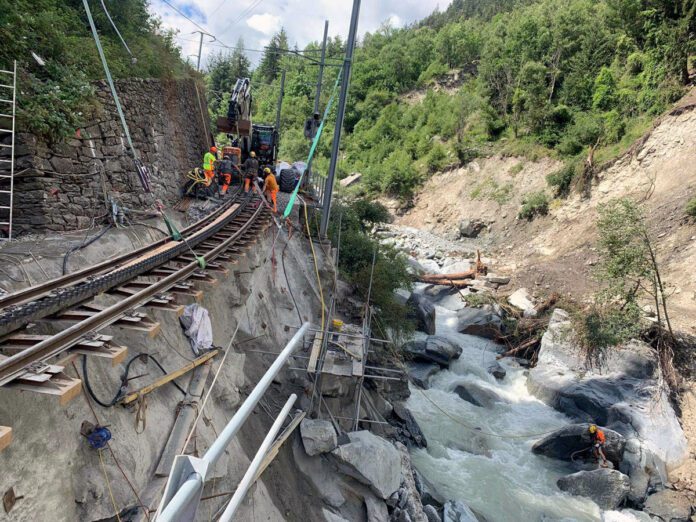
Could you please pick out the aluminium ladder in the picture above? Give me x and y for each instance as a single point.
(8, 102)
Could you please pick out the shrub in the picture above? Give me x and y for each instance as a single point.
(691, 207)
(436, 158)
(371, 212)
(534, 204)
(562, 179)
(614, 126)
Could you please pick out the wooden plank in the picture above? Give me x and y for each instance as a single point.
(275, 449)
(61, 386)
(131, 397)
(5, 437)
(314, 355)
(115, 353)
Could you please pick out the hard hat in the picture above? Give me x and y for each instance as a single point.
(267, 170)
(253, 154)
(213, 149)
(593, 428)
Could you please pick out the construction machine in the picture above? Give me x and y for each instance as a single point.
(246, 136)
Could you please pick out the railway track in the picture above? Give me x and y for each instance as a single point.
(143, 275)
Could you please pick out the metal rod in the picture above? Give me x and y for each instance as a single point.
(350, 45)
(356, 336)
(187, 493)
(280, 101)
(317, 95)
(250, 474)
(217, 449)
(362, 420)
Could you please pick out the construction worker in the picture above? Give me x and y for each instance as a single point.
(251, 170)
(225, 169)
(209, 164)
(598, 442)
(270, 188)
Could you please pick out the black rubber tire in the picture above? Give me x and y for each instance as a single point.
(287, 180)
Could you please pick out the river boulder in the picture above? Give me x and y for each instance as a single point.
(496, 370)
(573, 439)
(432, 349)
(480, 322)
(608, 488)
(670, 506)
(458, 511)
(420, 372)
(371, 460)
(423, 312)
(477, 395)
(621, 392)
(318, 436)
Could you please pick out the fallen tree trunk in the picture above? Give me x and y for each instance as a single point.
(437, 278)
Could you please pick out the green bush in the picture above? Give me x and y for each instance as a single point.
(691, 207)
(371, 212)
(614, 126)
(534, 204)
(562, 179)
(436, 158)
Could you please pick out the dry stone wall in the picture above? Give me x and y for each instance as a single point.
(64, 186)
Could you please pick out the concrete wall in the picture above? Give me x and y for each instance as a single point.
(63, 186)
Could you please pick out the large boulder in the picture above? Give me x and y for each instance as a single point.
(480, 322)
(477, 395)
(522, 300)
(371, 460)
(608, 488)
(420, 372)
(573, 439)
(405, 418)
(457, 511)
(471, 227)
(318, 436)
(433, 348)
(670, 506)
(622, 392)
(423, 312)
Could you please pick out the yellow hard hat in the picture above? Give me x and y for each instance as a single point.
(253, 154)
(267, 170)
(593, 428)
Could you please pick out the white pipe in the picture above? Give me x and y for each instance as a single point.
(218, 447)
(187, 493)
(250, 474)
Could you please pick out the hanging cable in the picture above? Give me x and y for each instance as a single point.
(106, 11)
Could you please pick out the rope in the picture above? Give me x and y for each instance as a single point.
(108, 486)
(118, 32)
(316, 267)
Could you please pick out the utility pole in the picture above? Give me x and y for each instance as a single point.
(321, 67)
(200, 46)
(280, 101)
(345, 81)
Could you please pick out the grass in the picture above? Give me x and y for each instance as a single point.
(691, 207)
(635, 129)
(534, 204)
(516, 169)
(490, 189)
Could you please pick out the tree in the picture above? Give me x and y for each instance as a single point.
(223, 71)
(269, 68)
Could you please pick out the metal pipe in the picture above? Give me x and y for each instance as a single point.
(187, 493)
(217, 449)
(350, 45)
(317, 95)
(250, 474)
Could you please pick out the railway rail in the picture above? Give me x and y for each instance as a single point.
(151, 270)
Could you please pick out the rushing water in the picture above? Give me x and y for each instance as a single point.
(480, 455)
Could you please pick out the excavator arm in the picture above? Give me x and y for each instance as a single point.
(238, 120)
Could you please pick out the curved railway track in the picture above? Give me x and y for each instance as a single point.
(163, 264)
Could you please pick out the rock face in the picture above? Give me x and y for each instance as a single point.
(471, 227)
(372, 461)
(606, 487)
(622, 392)
(61, 185)
(420, 372)
(458, 511)
(478, 321)
(423, 311)
(669, 505)
(562, 443)
(432, 349)
(318, 436)
(521, 299)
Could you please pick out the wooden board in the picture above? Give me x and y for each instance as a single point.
(273, 450)
(314, 355)
(5, 437)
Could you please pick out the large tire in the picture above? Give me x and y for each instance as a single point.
(287, 180)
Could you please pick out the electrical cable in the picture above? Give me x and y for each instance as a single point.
(124, 380)
(117, 31)
(82, 245)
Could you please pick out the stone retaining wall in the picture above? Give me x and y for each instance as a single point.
(65, 186)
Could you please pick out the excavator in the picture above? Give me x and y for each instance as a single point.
(244, 135)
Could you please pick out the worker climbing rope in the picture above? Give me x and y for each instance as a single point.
(598, 443)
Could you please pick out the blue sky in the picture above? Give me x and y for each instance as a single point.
(257, 20)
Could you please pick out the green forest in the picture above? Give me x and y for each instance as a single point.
(527, 77)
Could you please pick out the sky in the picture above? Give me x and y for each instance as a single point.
(257, 20)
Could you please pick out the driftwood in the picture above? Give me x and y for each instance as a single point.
(456, 279)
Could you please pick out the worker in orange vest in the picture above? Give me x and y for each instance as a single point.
(270, 188)
(598, 442)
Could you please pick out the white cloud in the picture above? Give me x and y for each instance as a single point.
(266, 23)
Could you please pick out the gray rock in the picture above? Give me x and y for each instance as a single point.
(458, 511)
(431, 513)
(572, 439)
(318, 436)
(330, 516)
(405, 418)
(372, 461)
(640, 516)
(433, 348)
(520, 299)
(376, 509)
(497, 279)
(479, 322)
(608, 488)
(621, 392)
(420, 372)
(429, 496)
(471, 227)
(669, 505)
(423, 311)
(497, 371)
(477, 395)
(642, 468)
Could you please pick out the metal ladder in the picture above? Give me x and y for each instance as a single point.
(8, 102)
